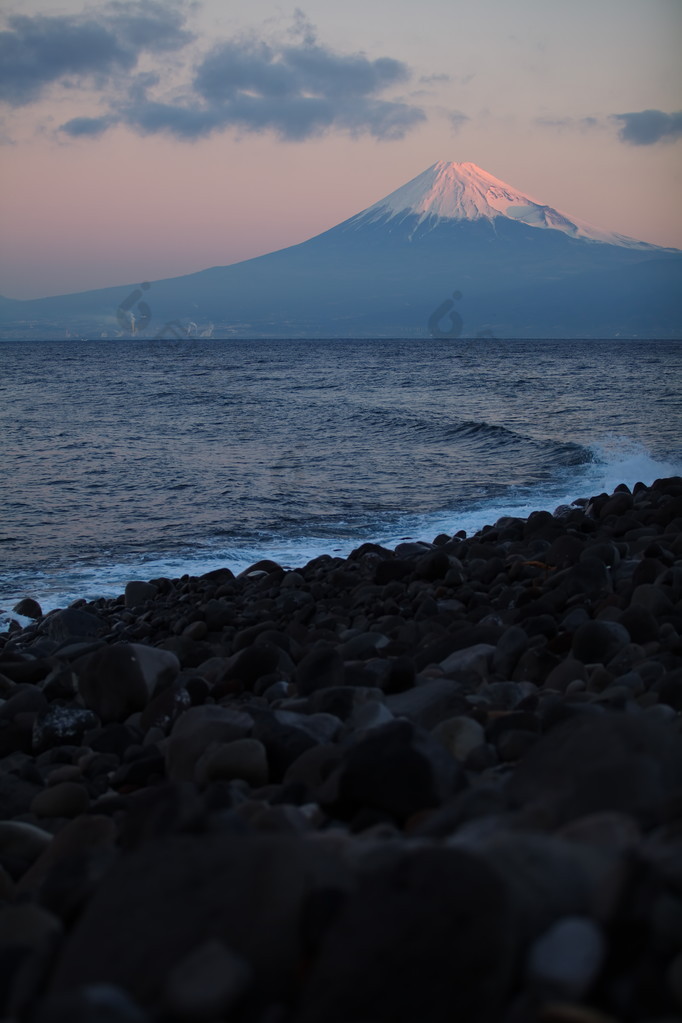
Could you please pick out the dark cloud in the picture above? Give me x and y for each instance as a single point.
(38, 51)
(150, 25)
(646, 127)
(251, 67)
(434, 79)
(35, 52)
(295, 87)
(293, 118)
(88, 127)
(457, 119)
(296, 91)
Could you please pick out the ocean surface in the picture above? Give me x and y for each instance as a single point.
(136, 459)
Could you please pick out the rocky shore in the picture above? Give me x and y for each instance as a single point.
(436, 784)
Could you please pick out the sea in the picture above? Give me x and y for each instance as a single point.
(138, 459)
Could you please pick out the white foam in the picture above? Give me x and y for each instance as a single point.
(615, 460)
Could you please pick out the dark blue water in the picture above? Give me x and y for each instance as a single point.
(140, 458)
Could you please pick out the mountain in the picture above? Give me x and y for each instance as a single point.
(454, 252)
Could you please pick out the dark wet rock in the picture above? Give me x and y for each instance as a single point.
(428, 704)
(459, 735)
(166, 707)
(25, 669)
(93, 1003)
(20, 845)
(510, 647)
(72, 623)
(321, 668)
(244, 759)
(605, 762)
(432, 566)
(474, 659)
(138, 593)
(29, 608)
(255, 661)
(208, 983)
(640, 623)
(195, 730)
(285, 740)
(653, 599)
(597, 642)
(399, 769)
(117, 680)
(472, 747)
(342, 701)
(15, 795)
(564, 673)
(61, 725)
(244, 892)
(393, 570)
(67, 799)
(426, 938)
(564, 961)
(669, 689)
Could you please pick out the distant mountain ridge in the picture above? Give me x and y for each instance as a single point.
(455, 252)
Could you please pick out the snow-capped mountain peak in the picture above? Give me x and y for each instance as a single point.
(464, 191)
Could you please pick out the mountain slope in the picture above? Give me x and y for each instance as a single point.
(503, 264)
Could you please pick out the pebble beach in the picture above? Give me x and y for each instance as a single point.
(435, 783)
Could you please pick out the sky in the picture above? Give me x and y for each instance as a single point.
(143, 140)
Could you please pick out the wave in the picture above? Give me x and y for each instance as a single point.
(439, 429)
(612, 461)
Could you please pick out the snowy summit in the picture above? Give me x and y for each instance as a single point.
(464, 191)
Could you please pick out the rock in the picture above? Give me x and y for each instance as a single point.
(653, 599)
(61, 726)
(425, 937)
(429, 704)
(564, 962)
(94, 1003)
(138, 593)
(26, 925)
(166, 707)
(257, 660)
(67, 799)
(29, 608)
(504, 695)
(195, 730)
(321, 668)
(674, 979)
(565, 673)
(72, 623)
(597, 642)
(511, 645)
(546, 878)
(343, 701)
(207, 984)
(362, 647)
(284, 740)
(16, 794)
(171, 896)
(432, 566)
(399, 769)
(607, 762)
(118, 680)
(245, 759)
(640, 623)
(459, 735)
(20, 845)
(474, 659)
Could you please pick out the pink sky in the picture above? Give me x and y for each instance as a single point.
(532, 92)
